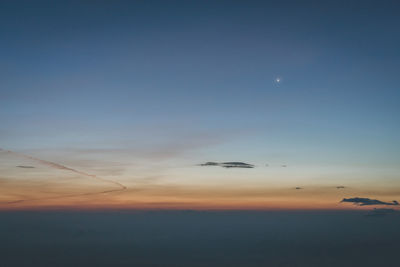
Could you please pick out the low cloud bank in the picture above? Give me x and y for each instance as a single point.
(381, 212)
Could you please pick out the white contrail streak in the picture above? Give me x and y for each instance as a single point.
(62, 167)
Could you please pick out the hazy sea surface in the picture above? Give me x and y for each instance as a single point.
(198, 238)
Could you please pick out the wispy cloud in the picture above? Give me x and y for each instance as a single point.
(25, 167)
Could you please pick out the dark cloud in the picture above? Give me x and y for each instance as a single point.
(340, 187)
(236, 165)
(210, 163)
(233, 164)
(381, 212)
(298, 188)
(367, 201)
(25, 167)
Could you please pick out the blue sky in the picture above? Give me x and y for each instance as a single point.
(201, 76)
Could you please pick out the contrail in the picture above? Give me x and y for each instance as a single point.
(62, 167)
(63, 196)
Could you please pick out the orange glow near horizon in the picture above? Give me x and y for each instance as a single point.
(44, 185)
(146, 201)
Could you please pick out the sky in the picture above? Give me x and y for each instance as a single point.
(132, 96)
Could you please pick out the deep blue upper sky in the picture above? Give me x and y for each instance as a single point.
(111, 73)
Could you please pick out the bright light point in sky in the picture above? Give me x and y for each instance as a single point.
(278, 80)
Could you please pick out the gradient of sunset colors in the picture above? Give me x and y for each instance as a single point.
(113, 105)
